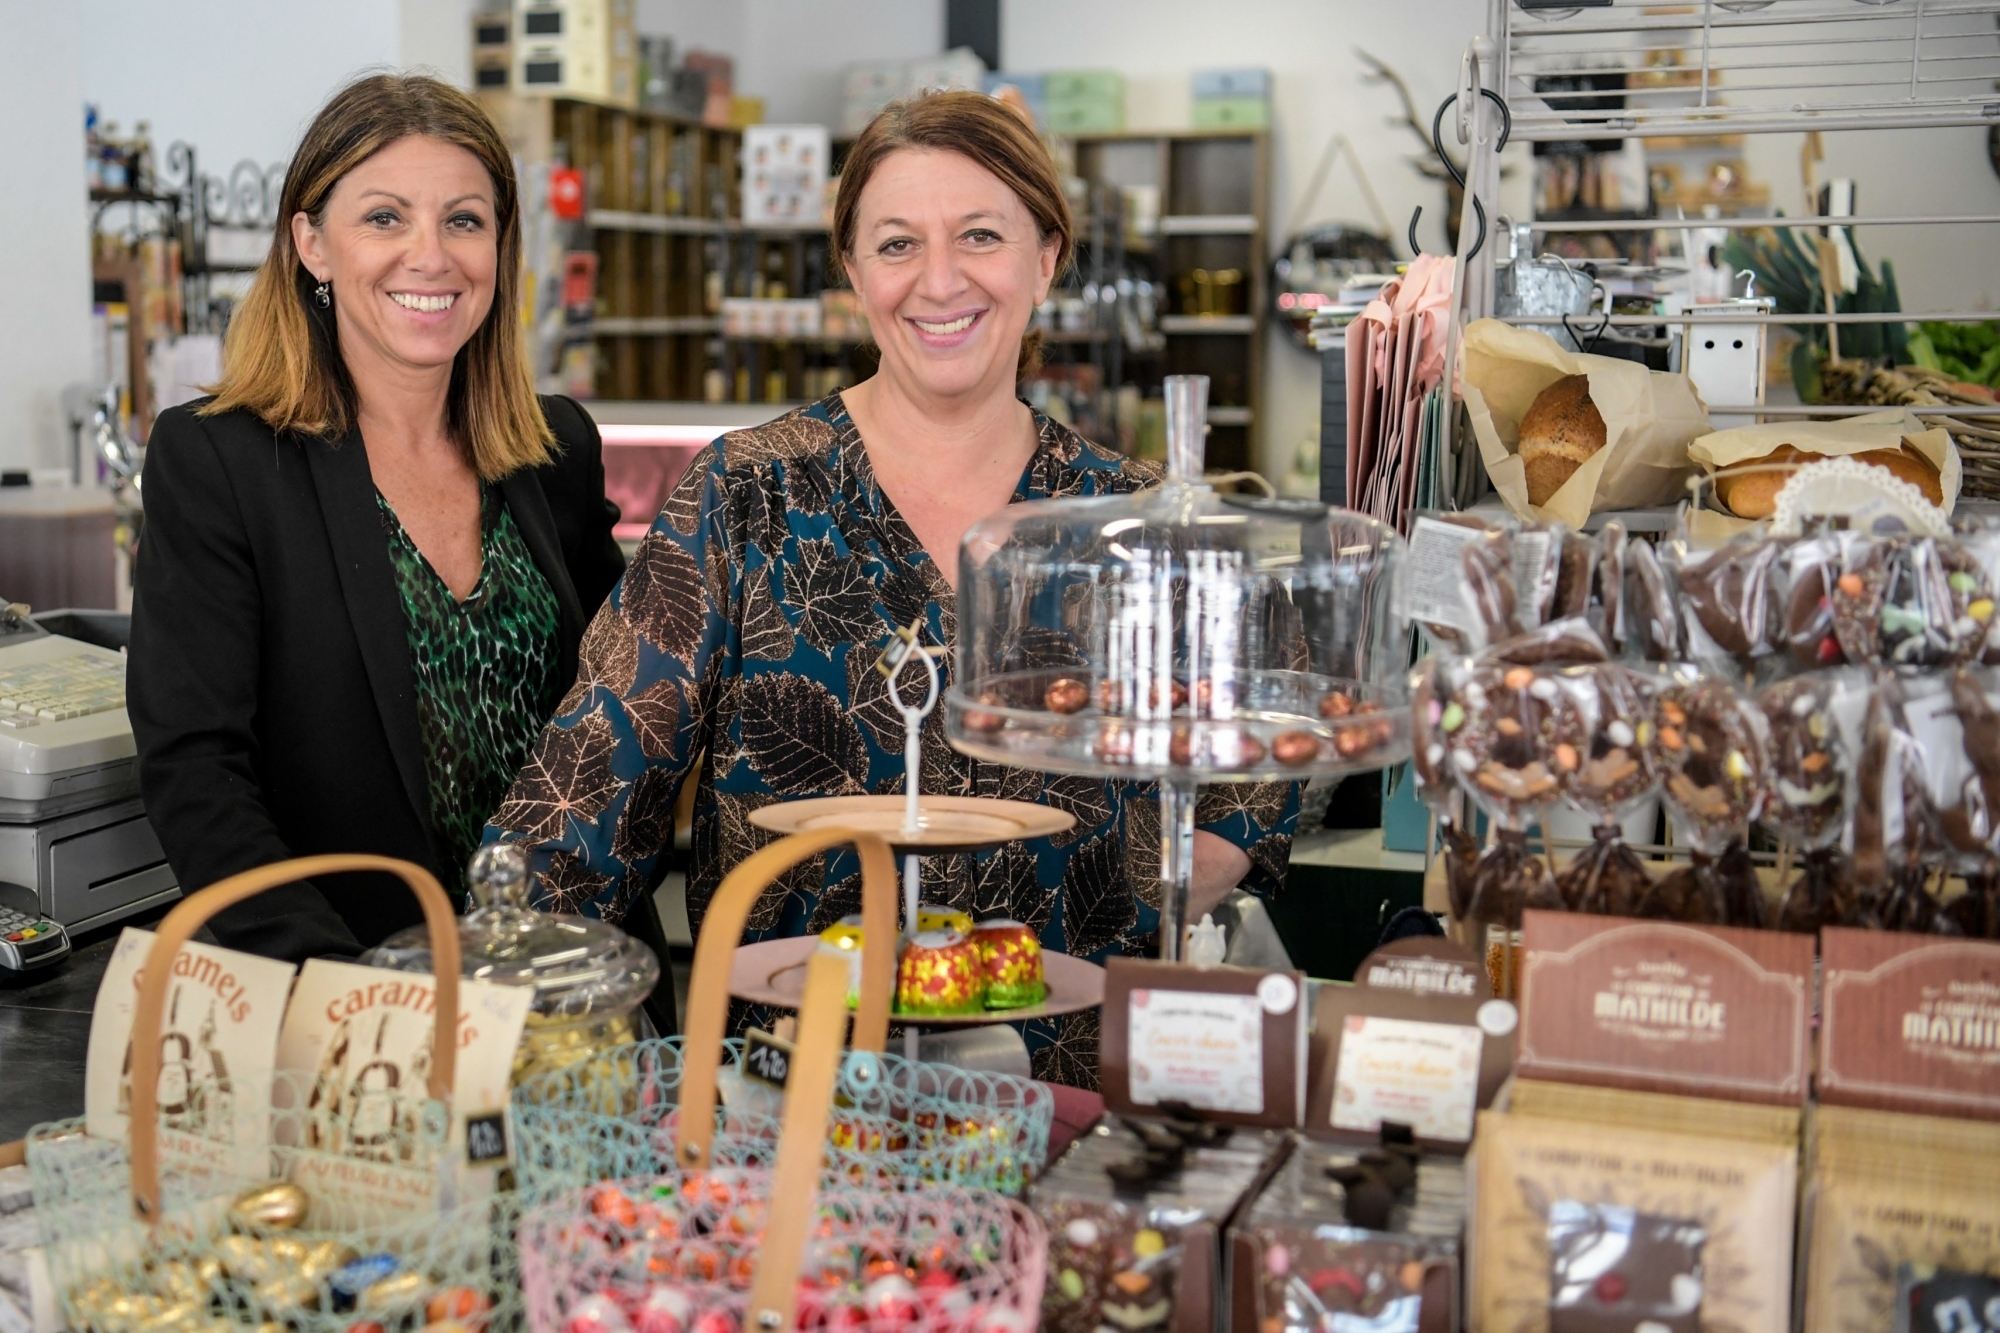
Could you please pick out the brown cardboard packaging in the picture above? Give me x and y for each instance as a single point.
(1740, 1193)
(1910, 1023)
(1257, 1016)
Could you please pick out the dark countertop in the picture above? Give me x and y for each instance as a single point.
(45, 1033)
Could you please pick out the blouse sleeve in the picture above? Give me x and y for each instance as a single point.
(1258, 817)
(594, 803)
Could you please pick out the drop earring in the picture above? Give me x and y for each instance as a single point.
(323, 294)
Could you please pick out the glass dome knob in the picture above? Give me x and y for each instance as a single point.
(498, 875)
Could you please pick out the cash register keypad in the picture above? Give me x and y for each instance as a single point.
(54, 691)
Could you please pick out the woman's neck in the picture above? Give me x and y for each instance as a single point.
(401, 407)
(956, 432)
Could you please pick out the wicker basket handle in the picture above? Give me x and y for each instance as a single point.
(722, 929)
(192, 912)
(774, 1287)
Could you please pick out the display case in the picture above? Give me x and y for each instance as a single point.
(1180, 635)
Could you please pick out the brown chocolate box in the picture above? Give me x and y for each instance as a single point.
(1910, 1023)
(1281, 999)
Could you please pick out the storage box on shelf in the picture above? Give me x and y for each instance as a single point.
(1208, 253)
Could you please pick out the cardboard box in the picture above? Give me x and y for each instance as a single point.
(1085, 85)
(1232, 83)
(1232, 113)
(1086, 117)
(577, 48)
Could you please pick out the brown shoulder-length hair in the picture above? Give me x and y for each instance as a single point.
(282, 358)
(972, 125)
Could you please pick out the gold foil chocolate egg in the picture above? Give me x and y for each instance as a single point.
(395, 1292)
(1066, 696)
(292, 1291)
(243, 1258)
(326, 1257)
(279, 1207)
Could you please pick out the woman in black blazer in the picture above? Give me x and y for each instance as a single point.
(368, 561)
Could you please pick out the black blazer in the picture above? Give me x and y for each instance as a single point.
(269, 681)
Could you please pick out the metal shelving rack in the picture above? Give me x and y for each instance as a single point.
(1738, 67)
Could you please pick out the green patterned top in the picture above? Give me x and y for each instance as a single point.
(485, 672)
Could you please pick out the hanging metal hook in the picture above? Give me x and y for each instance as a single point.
(1457, 176)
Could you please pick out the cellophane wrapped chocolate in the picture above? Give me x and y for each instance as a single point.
(1911, 602)
(1951, 722)
(1893, 819)
(1433, 684)
(1302, 1264)
(1612, 1267)
(1135, 1211)
(1614, 775)
(1710, 748)
(1515, 739)
(1650, 617)
(1811, 772)
(1729, 602)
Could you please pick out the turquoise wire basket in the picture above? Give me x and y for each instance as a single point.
(613, 1116)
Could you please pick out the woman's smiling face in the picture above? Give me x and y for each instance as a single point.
(949, 266)
(408, 240)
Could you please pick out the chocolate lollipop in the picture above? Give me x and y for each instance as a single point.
(1432, 682)
(1729, 597)
(1805, 575)
(1652, 627)
(1515, 745)
(1911, 602)
(1709, 747)
(1615, 773)
(1972, 827)
(1807, 802)
(1607, 591)
(1890, 824)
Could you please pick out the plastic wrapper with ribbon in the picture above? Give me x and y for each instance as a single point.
(1710, 748)
(140, 1238)
(698, 1245)
(654, 1105)
(1614, 776)
(1809, 719)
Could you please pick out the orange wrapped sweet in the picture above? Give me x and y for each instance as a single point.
(1010, 957)
(940, 974)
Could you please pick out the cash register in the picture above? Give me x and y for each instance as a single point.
(76, 850)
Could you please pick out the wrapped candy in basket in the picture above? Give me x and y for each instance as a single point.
(177, 1233)
(641, 1109)
(700, 1246)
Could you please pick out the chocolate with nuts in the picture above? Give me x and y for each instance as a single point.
(1911, 602)
(1514, 738)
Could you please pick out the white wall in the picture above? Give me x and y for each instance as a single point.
(44, 250)
(235, 78)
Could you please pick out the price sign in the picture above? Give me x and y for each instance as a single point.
(766, 1058)
(486, 1138)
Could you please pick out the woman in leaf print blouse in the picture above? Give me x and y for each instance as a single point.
(747, 627)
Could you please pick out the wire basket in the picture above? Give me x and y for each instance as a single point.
(180, 1233)
(626, 1112)
(705, 1248)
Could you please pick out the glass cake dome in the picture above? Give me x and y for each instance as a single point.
(1182, 635)
(1178, 632)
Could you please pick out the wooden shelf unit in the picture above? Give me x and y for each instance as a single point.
(1214, 192)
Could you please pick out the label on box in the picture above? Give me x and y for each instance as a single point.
(1701, 1011)
(1425, 965)
(1424, 1075)
(1435, 574)
(218, 1047)
(1204, 1049)
(358, 1044)
(1910, 1023)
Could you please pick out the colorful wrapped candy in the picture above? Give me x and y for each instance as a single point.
(930, 916)
(1010, 958)
(846, 937)
(940, 973)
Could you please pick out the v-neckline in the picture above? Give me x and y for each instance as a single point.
(847, 436)
(487, 495)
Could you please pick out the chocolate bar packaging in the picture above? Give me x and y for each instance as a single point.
(1135, 1211)
(1225, 1043)
(1583, 1227)
(1315, 1252)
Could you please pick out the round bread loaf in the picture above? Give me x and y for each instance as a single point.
(1561, 429)
(1754, 494)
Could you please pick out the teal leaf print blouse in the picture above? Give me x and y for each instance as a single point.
(745, 633)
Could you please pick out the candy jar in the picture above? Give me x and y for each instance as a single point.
(589, 977)
(1433, 683)
(1516, 746)
(1182, 636)
(1710, 750)
(1614, 775)
(1806, 805)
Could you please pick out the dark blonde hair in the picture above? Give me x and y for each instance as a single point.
(972, 125)
(282, 357)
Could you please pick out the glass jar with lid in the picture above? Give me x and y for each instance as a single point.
(1181, 635)
(589, 977)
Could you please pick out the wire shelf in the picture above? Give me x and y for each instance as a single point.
(1735, 66)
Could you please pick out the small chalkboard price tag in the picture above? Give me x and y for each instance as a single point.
(766, 1058)
(486, 1138)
